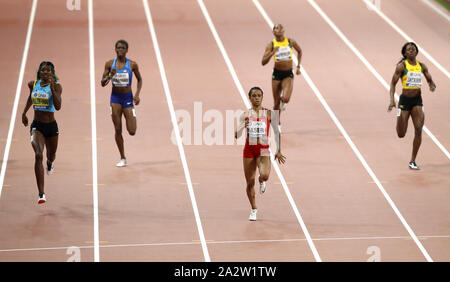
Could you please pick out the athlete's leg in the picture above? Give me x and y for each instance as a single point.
(264, 165)
(51, 144)
(38, 144)
(116, 115)
(250, 171)
(418, 118)
(130, 118)
(287, 84)
(276, 91)
(402, 123)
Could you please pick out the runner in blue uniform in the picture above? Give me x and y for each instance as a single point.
(45, 97)
(120, 70)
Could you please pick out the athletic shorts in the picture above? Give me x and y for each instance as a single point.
(281, 74)
(407, 103)
(48, 129)
(254, 151)
(125, 99)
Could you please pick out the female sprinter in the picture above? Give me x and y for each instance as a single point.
(256, 150)
(121, 70)
(45, 96)
(282, 77)
(410, 103)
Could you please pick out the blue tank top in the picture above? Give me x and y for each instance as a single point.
(42, 98)
(123, 76)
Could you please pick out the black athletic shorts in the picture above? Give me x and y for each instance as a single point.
(407, 103)
(49, 129)
(281, 74)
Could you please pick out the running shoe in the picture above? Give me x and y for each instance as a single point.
(123, 162)
(262, 187)
(42, 199)
(413, 165)
(50, 169)
(252, 216)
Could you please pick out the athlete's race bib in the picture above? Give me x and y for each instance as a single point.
(283, 53)
(414, 79)
(40, 100)
(257, 129)
(121, 79)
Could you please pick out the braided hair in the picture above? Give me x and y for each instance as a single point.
(52, 69)
(404, 50)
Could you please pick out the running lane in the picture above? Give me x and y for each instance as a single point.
(147, 202)
(422, 195)
(197, 73)
(382, 48)
(66, 219)
(360, 102)
(423, 25)
(345, 212)
(14, 17)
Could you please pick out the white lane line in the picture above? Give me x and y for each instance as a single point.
(18, 90)
(247, 104)
(437, 9)
(231, 242)
(404, 35)
(176, 129)
(372, 70)
(94, 133)
(353, 146)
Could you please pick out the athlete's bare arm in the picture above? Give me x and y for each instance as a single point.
(398, 72)
(107, 75)
(268, 53)
(135, 69)
(243, 123)
(427, 75)
(299, 54)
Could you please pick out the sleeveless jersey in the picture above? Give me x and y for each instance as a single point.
(42, 98)
(284, 53)
(123, 76)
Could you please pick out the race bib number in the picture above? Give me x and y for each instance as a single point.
(414, 79)
(40, 99)
(121, 79)
(257, 129)
(283, 53)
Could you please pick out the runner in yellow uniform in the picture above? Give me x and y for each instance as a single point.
(410, 104)
(281, 49)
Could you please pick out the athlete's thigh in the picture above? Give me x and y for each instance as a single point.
(116, 113)
(287, 84)
(51, 144)
(37, 141)
(402, 119)
(276, 88)
(130, 117)
(264, 165)
(417, 116)
(249, 168)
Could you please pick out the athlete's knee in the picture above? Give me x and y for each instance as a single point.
(38, 156)
(132, 132)
(401, 134)
(118, 129)
(264, 177)
(250, 184)
(285, 99)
